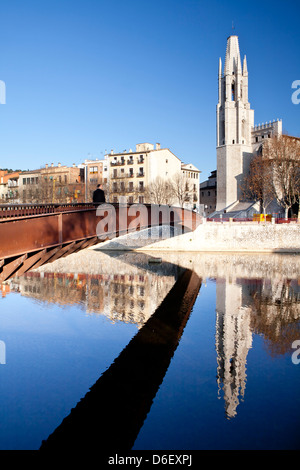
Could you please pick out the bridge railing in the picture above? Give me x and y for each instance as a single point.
(23, 210)
(277, 220)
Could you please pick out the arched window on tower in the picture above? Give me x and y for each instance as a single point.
(232, 92)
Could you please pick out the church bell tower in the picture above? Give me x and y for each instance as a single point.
(235, 121)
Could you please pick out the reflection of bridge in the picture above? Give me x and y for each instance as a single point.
(33, 235)
(109, 417)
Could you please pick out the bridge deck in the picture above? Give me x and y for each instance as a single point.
(31, 235)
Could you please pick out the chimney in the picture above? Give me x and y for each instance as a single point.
(46, 166)
(58, 165)
(74, 166)
(52, 165)
(157, 146)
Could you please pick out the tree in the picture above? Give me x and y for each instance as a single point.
(182, 189)
(257, 185)
(160, 191)
(282, 153)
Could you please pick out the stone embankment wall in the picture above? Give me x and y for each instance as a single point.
(234, 237)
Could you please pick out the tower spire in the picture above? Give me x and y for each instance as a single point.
(232, 57)
(235, 120)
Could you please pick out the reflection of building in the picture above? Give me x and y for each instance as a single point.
(233, 341)
(276, 314)
(244, 307)
(5, 289)
(129, 295)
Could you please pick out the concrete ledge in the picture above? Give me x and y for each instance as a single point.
(234, 237)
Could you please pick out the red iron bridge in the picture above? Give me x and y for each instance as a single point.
(32, 235)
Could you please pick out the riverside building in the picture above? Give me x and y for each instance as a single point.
(238, 139)
(131, 174)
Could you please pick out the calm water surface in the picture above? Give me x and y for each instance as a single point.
(232, 383)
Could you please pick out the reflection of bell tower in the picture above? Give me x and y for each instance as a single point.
(233, 340)
(235, 120)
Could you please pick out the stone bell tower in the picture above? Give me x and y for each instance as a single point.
(235, 121)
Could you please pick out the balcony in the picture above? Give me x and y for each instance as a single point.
(140, 175)
(118, 177)
(13, 184)
(117, 163)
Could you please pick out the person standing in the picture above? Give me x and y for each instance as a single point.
(98, 195)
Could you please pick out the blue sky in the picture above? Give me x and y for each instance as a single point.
(87, 76)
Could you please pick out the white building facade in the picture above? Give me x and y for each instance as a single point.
(132, 172)
(238, 139)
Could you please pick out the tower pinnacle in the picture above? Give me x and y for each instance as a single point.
(232, 58)
(245, 69)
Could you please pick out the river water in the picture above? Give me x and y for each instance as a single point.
(233, 374)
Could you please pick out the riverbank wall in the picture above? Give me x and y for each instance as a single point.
(219, 237)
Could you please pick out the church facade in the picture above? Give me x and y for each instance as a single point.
(238, 139)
